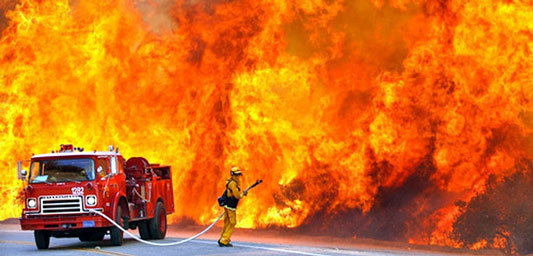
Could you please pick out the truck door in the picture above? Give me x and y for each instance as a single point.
(104, 180)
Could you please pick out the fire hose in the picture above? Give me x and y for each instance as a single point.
(173, 243)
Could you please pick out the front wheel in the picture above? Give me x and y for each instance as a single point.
(158, 224)
(42, 239)
(117, 235)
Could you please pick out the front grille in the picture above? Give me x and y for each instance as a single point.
(61, 204)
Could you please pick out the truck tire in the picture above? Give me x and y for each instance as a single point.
(117, 235)
(94, 236)
(158, 224)
(144, 231)
(42, 239)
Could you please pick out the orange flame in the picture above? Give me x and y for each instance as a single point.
(366, 111)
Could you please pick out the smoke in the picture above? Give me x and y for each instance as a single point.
(5, 6)
(157, 14)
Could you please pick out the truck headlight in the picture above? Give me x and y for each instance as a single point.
(90, 200)
(32, 203)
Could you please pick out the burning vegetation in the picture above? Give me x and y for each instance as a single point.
(503, 215)
(399, 120)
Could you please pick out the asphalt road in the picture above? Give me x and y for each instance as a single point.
(16, 242)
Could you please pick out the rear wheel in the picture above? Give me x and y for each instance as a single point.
(42, 239)
(144, 231)
(158, 224)
(117, 235)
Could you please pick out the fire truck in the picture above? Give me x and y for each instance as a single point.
(65, 186)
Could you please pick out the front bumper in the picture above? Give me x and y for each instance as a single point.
(63, 222)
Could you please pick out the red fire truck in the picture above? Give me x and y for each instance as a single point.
(64, 186)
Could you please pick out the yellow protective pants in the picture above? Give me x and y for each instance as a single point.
(230, 219)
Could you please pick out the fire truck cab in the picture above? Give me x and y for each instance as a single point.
(64, 186)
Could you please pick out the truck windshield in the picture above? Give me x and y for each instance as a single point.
(62, 170)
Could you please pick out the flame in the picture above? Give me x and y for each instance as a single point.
(372, 112)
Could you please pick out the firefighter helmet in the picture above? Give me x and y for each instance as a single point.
(235, 171)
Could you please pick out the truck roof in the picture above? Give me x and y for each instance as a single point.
(85, 153)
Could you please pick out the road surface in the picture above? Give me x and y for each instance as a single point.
(16, 242)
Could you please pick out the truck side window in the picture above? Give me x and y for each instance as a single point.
(35, 170)
(102, 167)
(121, 163)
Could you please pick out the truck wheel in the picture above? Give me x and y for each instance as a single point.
(158, 224)
(117, 236)
(42, 239)
(144, 231)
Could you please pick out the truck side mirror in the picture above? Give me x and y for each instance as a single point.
(21, 174)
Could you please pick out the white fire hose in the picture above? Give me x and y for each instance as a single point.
(158, 244)
(173, 243)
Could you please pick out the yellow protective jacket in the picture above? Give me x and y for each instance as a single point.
(234, 193)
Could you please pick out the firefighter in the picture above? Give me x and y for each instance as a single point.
(234, 193)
